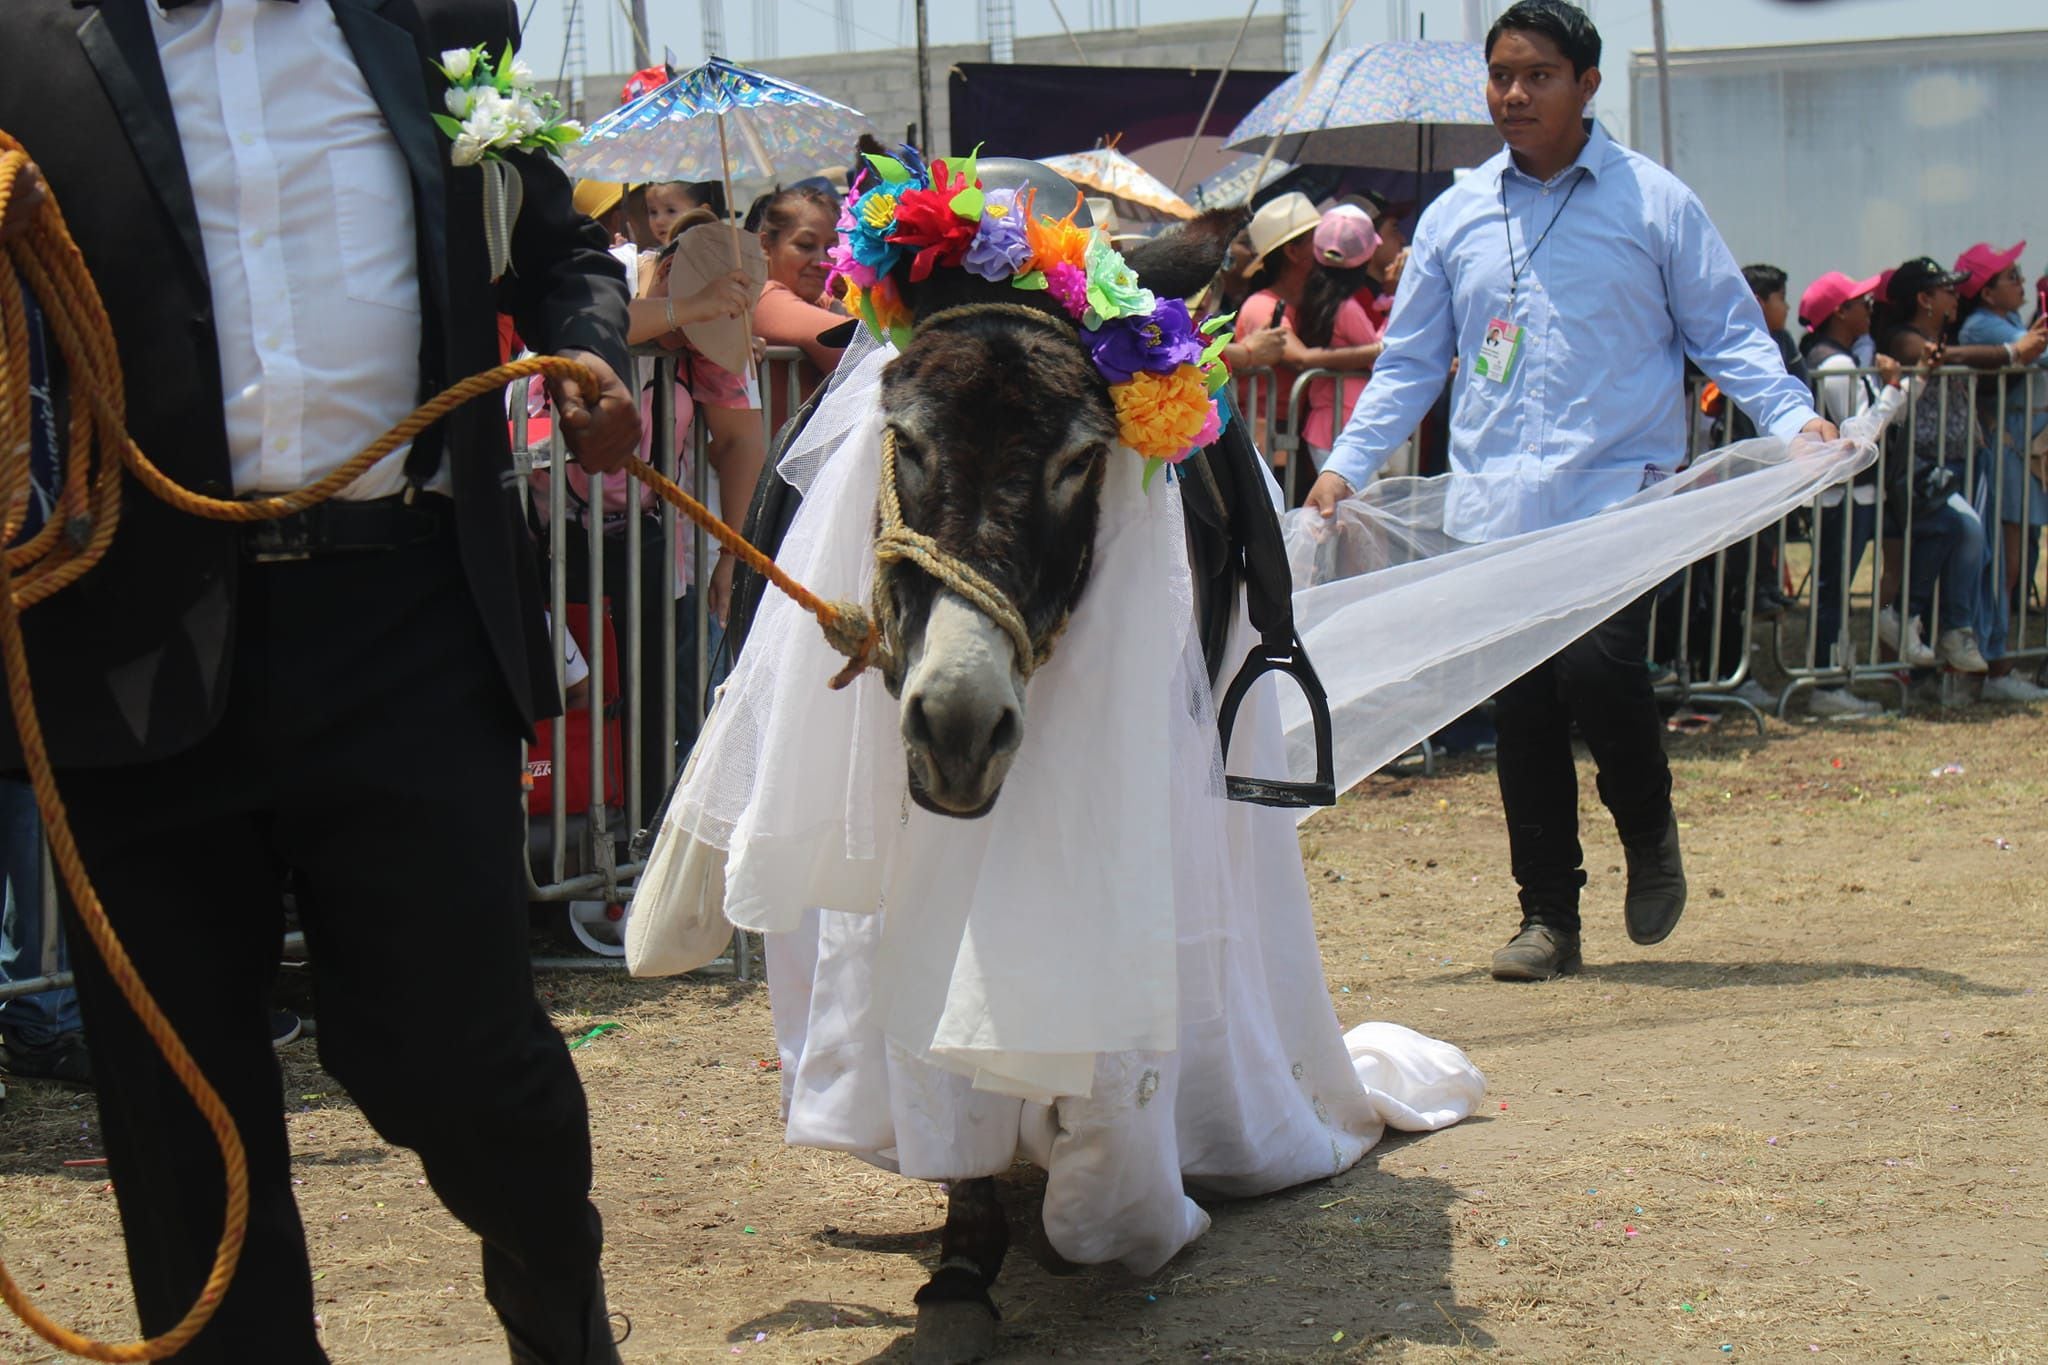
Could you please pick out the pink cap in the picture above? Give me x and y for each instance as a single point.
(1983, 265)
(1825, 296)
(1345, 237)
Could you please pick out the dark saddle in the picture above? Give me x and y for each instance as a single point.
(1234, 545)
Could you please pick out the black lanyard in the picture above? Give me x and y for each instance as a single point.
(1507, 227)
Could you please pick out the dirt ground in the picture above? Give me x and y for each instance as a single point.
(1807, 1127)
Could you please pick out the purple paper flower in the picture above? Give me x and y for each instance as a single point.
(1160, 341)
(999, 249)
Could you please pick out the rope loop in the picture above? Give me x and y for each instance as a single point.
(77, 534)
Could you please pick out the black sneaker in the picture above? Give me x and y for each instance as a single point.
(1538, 953)
(285, 1028)
(1656, 888)
(64, 1058)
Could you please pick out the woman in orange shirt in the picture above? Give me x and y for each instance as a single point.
(797, 226)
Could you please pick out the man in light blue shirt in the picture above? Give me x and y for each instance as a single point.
(1569, 278)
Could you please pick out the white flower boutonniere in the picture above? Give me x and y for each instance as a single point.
(494, 108)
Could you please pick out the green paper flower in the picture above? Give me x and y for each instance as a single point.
(1113, 288)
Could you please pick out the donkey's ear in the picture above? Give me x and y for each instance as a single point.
(1178, 262)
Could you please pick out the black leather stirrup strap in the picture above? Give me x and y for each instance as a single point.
(1269, 600)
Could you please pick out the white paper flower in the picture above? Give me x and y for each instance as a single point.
(468, 150)
(458, 100)
(459, 62)
(522, 75)
(526, 118)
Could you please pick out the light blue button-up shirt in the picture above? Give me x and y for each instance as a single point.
(1631, 278)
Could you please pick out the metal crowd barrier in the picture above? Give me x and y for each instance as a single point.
(1866, 583)
(590, 860)
(48, 977)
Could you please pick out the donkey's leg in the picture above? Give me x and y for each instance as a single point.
(956, 1318)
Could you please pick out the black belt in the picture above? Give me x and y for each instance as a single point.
(339, 528)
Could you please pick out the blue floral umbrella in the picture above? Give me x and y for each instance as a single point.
(1413, 104)
(719, 122)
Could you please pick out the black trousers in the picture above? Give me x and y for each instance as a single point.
(370, 746)
(1602, 682)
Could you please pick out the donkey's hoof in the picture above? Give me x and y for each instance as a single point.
(952, 1332)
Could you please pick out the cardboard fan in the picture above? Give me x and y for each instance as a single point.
(703, 253)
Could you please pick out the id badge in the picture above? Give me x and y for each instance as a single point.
(1500, 352)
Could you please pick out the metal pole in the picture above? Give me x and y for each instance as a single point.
(642, 58)
(924, 84)
(1663, 78)
(1214, 90)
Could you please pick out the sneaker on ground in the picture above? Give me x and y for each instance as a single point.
(285, 1028)
(1958, 649)
(1840, 701)
(1756, 694)
(1910, 643)
(2011, 687)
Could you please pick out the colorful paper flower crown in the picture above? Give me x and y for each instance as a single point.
(1166, 374)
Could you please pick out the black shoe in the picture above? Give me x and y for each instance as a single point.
(64, 1058)
(285, 1028)
(1656, 888)
(1538, 953)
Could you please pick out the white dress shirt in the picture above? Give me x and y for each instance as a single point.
(306, 215)
(1615, 274)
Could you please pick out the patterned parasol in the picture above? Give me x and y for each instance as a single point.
(719, 122)
(1140, 196)
(1413, 104)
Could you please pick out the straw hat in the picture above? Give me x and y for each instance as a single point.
(1280, 220)
(703, 253)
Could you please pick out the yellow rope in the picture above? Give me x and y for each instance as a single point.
(81, 526)
(77, 534)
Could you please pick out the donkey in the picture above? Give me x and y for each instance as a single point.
(1002, 429)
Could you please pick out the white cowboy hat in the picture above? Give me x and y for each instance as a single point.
(1280, 220)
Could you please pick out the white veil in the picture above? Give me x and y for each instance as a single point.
(1410, 627)
(796, 795)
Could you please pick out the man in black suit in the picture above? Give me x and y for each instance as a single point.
(291, 262)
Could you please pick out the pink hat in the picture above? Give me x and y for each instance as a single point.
(1345, 237)
(1983, 265)
(1825, 296)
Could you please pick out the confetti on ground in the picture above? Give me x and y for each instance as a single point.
(594, 1034)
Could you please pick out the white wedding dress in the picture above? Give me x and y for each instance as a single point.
(1113, 974)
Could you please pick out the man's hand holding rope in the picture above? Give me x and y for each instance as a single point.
(602, 430)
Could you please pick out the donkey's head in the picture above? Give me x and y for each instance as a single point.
(1002, 429)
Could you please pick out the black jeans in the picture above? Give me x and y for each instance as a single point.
(1602, 682)
(370, 745)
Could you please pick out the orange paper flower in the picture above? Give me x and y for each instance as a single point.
(1160, 415)
(1056, 240)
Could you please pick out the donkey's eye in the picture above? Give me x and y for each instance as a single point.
(1078, 466)
(909, 452)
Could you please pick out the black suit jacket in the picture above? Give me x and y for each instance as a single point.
(130, 663)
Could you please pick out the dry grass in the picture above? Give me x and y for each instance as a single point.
(1815, 1107)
